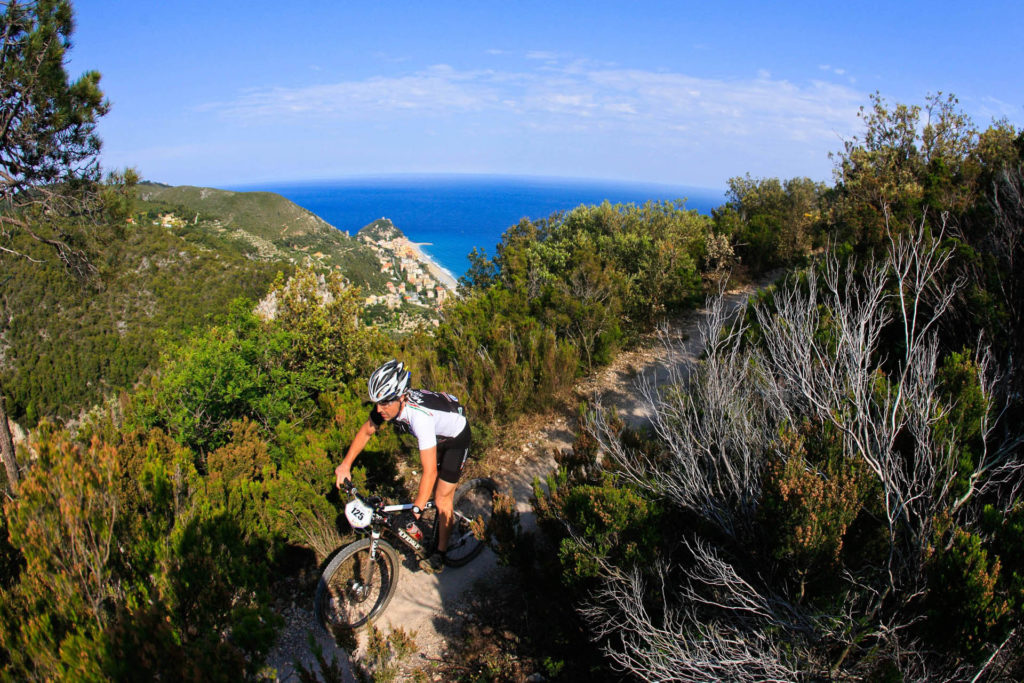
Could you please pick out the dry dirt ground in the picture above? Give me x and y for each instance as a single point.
(423, 602)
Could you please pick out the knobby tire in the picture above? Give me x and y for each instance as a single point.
(474, 505)
(353, 589)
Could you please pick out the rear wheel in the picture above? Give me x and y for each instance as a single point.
(474, 504)
(354, 587)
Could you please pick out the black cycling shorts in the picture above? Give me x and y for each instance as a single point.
(452, 454)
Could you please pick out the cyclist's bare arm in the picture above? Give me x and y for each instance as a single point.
(362, 437)
(428, 461)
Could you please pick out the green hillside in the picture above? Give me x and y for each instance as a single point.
(174, 267)
(66, 343)
(265, 225)
(380, 230)
(262, 213)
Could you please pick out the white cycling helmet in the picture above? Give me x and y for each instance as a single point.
(388, 382)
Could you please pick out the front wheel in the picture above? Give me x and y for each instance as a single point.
(355, 587)
(474, 504)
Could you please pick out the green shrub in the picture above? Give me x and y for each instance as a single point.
(128, 553)
(965, 606)
(267, 371)
(609, 523)
(809, 501)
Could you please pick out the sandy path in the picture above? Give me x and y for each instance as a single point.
(423, 600)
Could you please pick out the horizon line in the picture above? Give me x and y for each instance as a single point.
(416, 176)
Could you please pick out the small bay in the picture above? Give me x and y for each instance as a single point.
(453, 214)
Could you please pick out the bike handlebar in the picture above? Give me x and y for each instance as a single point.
(353, 490)
(376, 502)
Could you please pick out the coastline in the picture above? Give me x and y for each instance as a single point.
(438, 272)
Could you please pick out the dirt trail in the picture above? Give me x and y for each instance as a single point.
(422, 601)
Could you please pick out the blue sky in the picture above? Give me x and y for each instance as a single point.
(223, 93)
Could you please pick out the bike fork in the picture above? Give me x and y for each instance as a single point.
(374, 541)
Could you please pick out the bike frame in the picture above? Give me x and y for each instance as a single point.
(382, 521)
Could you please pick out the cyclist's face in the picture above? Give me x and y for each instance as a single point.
(389, 410)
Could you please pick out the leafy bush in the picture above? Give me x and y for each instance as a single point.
(561, 297)
(966, 608)
(268, 371)
(806, 509)
(92, 568)
(63, 525)
(608, 523)
(772, 223)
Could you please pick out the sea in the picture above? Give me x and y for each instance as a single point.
(450, 215)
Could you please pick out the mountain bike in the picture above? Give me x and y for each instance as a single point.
(359, 582)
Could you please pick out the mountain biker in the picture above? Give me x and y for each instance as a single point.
(440, 426)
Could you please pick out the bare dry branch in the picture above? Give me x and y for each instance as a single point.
(682, 644)
(820, 357)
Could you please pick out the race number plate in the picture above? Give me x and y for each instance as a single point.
(358, 514)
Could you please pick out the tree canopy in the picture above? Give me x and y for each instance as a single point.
(48, 141)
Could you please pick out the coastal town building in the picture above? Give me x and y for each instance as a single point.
(416, 287)
(413, 278)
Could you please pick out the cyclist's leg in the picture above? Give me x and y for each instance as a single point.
(443, 498)
(450, 463)
(452, 455)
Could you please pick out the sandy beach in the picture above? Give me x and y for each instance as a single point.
(433, 267)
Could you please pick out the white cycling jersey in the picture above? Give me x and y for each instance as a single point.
(428, 415)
